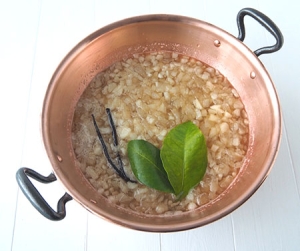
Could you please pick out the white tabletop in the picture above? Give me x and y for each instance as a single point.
(37, 34)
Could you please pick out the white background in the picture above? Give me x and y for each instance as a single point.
(37, 34)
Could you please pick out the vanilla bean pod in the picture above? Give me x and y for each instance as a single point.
(112, 125)
(120, 171)
(115, 139)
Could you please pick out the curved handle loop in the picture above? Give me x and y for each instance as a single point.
(266, 23)
(36, 198)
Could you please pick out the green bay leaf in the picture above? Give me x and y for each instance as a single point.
(146, 165)
(184, 157)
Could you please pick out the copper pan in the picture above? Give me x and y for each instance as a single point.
(184, 35)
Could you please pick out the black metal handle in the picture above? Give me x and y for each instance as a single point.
(36, 198)
(265, 22)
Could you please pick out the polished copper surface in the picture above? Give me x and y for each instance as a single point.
(187, 36)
